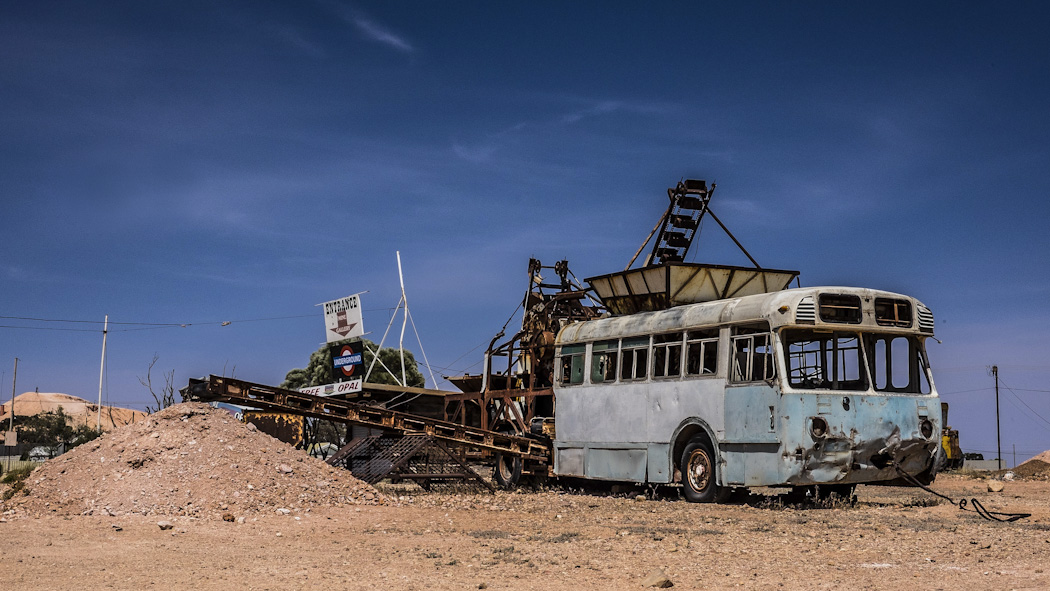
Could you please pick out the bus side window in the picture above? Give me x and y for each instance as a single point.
(634, 358)
(603, 361)
(571, 372)
(753, 358)
(667, 355)
(701, 352)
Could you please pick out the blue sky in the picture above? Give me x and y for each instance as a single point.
(194, 163)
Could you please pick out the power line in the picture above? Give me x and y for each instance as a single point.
(141, 325)
(1010, 390)
(966, 391)
(50, 328)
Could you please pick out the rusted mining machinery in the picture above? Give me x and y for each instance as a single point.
(516, 384)
(514, 394)
(505, 414)
(408, 437)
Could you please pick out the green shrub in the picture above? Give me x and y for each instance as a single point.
(17, 479)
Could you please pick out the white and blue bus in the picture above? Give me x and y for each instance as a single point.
(825, 386)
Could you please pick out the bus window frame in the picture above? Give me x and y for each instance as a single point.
(633, 345)
(665, 346)
(571, 353)
(610, 348)
(704, 344)
(752, 333)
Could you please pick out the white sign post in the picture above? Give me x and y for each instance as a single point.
(342, 318)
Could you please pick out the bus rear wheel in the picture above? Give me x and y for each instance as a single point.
(700, 474)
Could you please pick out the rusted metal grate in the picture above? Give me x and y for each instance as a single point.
(415, 456)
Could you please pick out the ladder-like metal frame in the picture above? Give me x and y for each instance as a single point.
(240, 392)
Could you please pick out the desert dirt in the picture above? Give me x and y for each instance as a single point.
(78, 528)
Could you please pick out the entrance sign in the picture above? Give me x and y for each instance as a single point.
(342, 318)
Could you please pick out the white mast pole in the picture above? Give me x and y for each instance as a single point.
(14, 382)
(102, 369)
(404, 321)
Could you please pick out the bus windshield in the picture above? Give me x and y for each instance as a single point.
(850, 361)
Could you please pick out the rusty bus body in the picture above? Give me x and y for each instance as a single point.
(811, 386)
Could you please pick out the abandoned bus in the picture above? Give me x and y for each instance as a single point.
(824, 386)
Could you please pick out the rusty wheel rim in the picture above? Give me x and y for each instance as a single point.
(698, 472)
(505, 467)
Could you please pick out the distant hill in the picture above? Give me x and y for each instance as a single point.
(80, 411)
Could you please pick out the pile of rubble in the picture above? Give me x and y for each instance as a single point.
(188, 460)
(1036, 468)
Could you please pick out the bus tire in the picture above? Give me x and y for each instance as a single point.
(507, 472)
(700, 473)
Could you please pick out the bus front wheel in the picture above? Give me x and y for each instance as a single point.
(699, 473)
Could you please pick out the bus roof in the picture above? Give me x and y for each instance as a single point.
(828, 307)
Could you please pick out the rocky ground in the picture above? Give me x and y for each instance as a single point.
(297, 533)
(555, 539)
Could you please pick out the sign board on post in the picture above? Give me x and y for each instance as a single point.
(342, 318)
(348, 361)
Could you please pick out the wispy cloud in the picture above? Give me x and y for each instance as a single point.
(483, 151)
(606, 107)
(369, 27)
(294, 38)
(602, 108)
(476, 154)
(378, 33)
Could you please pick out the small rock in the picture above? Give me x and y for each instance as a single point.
(252, 427)
(283, 511)
(117, 528)
(284, 469)
(1008, 476)
(228, 517)
(639, 498)
(657, 578)
(483, 585)
(163, 525)
(995, 486)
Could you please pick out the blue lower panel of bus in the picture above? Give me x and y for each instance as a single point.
(609, 461)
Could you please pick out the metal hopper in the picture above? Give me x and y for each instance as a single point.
(659, 287)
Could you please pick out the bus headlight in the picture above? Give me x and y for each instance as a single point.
(818, 427)
(926, 428)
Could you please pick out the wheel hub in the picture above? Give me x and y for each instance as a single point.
(699, 470)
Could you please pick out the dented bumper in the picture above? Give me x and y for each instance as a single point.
(860, 439)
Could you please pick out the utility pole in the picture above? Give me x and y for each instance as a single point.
(998, 440)
(11, 425)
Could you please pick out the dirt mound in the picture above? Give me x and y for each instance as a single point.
(189, 459)
(1037, 468)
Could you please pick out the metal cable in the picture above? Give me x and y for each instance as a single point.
(978, 508)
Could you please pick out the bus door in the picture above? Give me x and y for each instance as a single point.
(752, 410)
